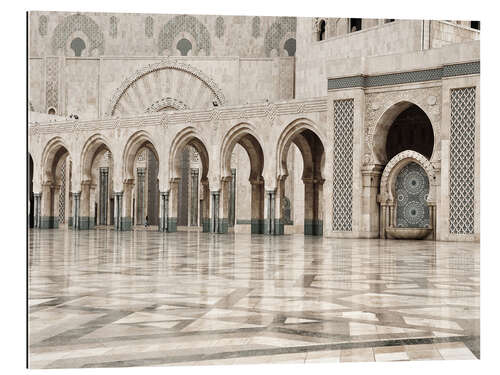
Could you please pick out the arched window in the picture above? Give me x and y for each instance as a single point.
(322, 30)
(388, 20)
(77, 45)
(51, 111)
(354, 24)
(475, 25)
(290, 46)
(184, 46)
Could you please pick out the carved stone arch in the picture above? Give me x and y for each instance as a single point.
(285, 140)
(54, 149)
(246, 135)
(275, 35)
(135, 142)
(166, 104)
(184, 23)
(74, 23)
(391, 171)
(164, 65)
(90, 149)
(379, 126)
(188, 137)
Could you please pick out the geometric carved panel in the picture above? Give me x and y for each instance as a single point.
(277, 31)
(148, 27)
(462, 142)
(52, 82)
(184, 24)
(343, 120)
(412, 190)
(62, 193)
(256, 27)
(74, 23)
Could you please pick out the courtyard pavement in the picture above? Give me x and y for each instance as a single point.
(102, 298)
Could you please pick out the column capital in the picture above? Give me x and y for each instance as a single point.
(117, 193)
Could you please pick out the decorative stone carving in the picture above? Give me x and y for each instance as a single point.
(165, 64)
(188, 24)
(42, 25)
(166, 103)
(219, 27)
(277, 32)
(256, 27)
(148, 27)
(74, 23)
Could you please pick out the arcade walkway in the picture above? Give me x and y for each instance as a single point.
(102, 298)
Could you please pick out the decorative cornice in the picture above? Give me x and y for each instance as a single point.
(214, 115)
(446, 71)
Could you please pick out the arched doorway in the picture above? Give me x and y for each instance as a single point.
(141, 185)
(97, 182)
(302, 158)
(404, 144)
(56, 184)
(239, 139)
(189, 187)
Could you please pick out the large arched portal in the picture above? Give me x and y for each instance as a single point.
(246, 216)
(141, 185)
(97, 184)
(56, 182)
(404, 144)
(301, 202)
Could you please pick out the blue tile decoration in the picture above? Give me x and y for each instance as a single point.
(412, 189)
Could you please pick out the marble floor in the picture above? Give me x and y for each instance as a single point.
(102, 298)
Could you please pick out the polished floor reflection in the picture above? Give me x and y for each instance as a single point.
(102, 298)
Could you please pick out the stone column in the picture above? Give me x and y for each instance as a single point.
(84, 219)
(76, 210)
(232, 198)
(279, 217)
(56, 192)
(103, 195)
(214, 225)
(205, 206)
(126, 206)
(118, 202)
(162, 223)
(47, 217)
(194, 197)
(369, 207)
(257, 220)
(173, 204)
(139, 218)
(308, 206)
(93, 215)
(224, 203)
(36, 209)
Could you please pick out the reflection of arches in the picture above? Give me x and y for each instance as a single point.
(200, 91)
(78, 23)
(387, 120)
(388, 197)
(188, 24)
(244, 135)
(303, 134)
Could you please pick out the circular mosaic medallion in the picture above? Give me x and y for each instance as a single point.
(413, 182)
(414, 212)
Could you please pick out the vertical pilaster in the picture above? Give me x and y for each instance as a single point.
(76, 210)
(36, 209)
(214, 224)
(140, 196)
(194, 197)
(232, 198)
(173, 205)
(118, 203)
(103, 195)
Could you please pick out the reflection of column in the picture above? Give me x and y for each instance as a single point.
(103, 195)
(140, 196)
(118, 202)
(194, 196)
(232, 198)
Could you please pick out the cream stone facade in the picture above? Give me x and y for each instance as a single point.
(273, 125)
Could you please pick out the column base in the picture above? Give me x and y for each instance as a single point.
(69, 220)
(172, 224)
(223, 225)
(279, 227)
(205, 223)
(125, 224)
(257, 226)
(49, 222)
(313, 227)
